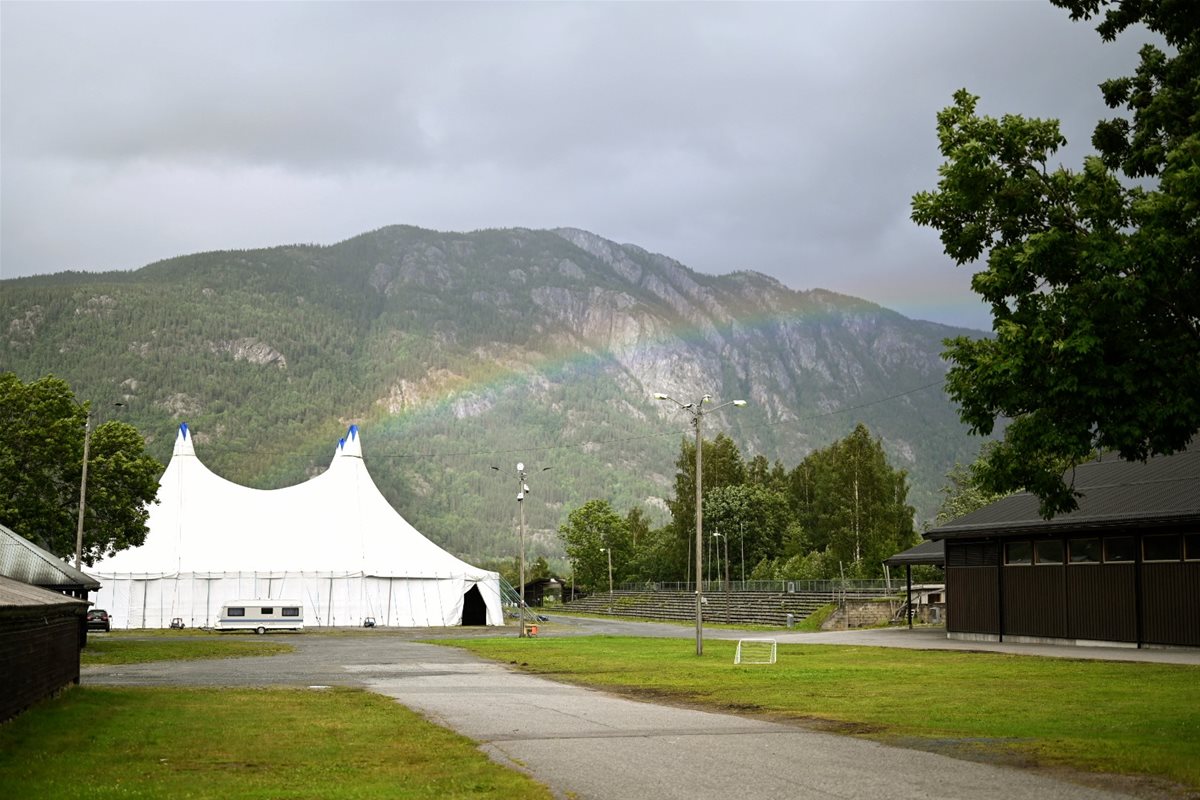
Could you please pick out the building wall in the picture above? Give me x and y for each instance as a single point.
(972, 587)
(1171, 604)
(1034, 602)
(39, 655)
(1100, 602)
(1004, 587)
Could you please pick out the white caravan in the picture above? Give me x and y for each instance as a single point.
(261, 616)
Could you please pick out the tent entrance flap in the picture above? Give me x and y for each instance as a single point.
(474, 609)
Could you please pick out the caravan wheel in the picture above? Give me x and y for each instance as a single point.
(260, 630)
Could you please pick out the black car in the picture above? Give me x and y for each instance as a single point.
(97, 620)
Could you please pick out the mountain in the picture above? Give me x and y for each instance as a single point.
(456, 352)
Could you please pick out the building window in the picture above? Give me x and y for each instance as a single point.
(1120, 549)
(1160, 548)
(972, 554)
(1050, 552)
(291, 611)
(236, 611)
(1085, 551)
(266, 612)
(1018, 553)
(1191, 546)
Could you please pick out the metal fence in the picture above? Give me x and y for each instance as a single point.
(878, 586)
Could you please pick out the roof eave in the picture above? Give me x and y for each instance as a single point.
(1065, 525)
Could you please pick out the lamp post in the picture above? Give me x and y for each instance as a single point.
(724, 539)
(522, 490)
(608, 550)
(715, 548)
(697, 411)
(87, 442)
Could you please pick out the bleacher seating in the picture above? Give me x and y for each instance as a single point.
(736, 608)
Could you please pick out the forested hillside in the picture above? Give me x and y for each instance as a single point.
(458, 352)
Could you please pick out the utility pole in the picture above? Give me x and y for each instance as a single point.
(87, 440)
(697, 411)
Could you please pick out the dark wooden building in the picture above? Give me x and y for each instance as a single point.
(39, 644)
(1124, 567)
(43, 605)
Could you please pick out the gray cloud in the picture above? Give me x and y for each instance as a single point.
(782, 137)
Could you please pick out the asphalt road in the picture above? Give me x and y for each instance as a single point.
(590, 745)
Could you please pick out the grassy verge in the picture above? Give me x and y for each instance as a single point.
(813, 622)
(103, 743)
(121, 650)
(1128, 718)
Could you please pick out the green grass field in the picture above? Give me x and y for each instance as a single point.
(1127, 718)
(126, 650)
(1100, 716)
(102, 743)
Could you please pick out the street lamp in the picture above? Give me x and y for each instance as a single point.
(610, 582)
(697, 411)
(724, 538)
(522, 490)
(87, 442)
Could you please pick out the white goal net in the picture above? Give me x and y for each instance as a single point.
(755, 651)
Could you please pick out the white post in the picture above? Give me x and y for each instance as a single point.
(521, 574)
(699, 538)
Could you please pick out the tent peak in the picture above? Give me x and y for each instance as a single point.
(350, 445)
(183, 441)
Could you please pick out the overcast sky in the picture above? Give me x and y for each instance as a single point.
(786, 138)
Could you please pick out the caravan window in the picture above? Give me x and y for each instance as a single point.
(266, 612)
(291, 612)
(235, 611)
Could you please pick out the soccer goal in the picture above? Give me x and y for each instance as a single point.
(755, 651)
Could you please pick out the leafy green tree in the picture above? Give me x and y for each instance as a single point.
(853, 505)
(653, 556)
(762, 473)
(721, 465)
(638, 524)
(1093, 275)
(812, 566)
(587, 533)
(41, 461)
(753, 516)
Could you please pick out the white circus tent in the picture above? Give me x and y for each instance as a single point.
(332, 542)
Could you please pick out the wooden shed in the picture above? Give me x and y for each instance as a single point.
(1123, 568)
(39, 644)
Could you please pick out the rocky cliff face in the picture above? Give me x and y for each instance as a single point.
(487, 342)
